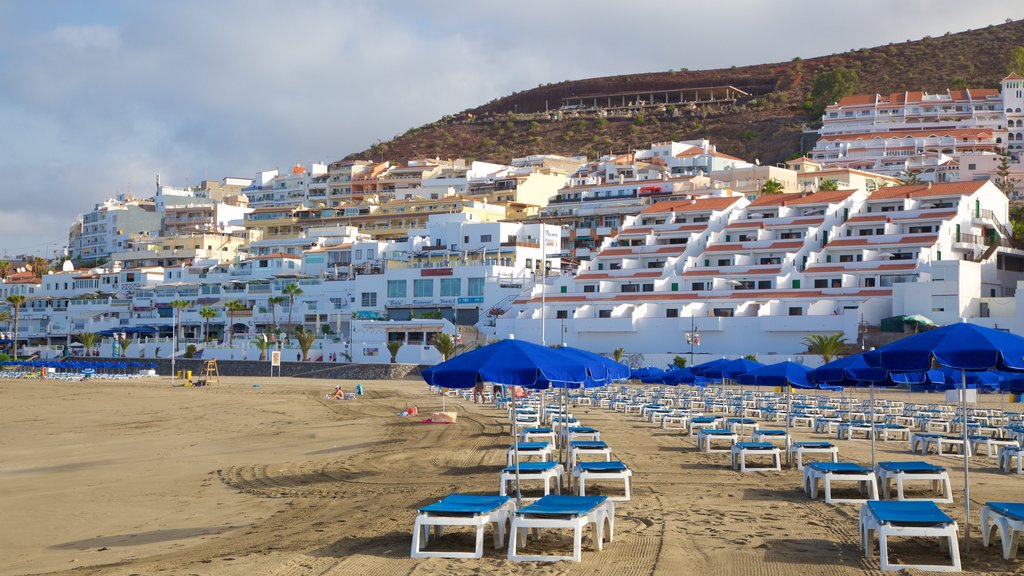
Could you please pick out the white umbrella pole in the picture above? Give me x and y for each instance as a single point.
(966, 449)
(872, 425)
(515, 448)
(789, 414)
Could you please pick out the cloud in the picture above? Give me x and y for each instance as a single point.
(98, 97)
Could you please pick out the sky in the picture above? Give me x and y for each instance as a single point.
(98, 97)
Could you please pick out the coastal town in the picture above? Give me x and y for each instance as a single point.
(901, 209)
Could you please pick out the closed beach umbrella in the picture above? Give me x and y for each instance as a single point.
(964, 347)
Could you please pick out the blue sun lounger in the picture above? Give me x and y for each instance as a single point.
(1008, 519)
(563, 512)
(903, 472)
(829, 472)
(613, 470)
(545, 471)
(908, 519)
(461, 510)
(530, 449)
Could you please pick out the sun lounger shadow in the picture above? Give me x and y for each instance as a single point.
(394, 545)
(809, 551)
(782, 492)
(141, 538)
(470, 470)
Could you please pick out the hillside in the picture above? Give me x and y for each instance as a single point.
(766, 124)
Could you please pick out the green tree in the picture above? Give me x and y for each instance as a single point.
(5, 316)
(274, 302)
(178, 306)
(291, 290)
(89, 340)
(751, 357)
(679, 362)
(16, 301)
(393, 347)
(123, 342)
(960, 83)
(233, 306)
(5, 269)
(262, 344)
(446, 345)
(305, 339)
(827, 346)
(1003, 180)
(830, 86)
(908, 178)
(207, 313)
(1015, 63)
(771, 186)
(828, 185)
(617, 354)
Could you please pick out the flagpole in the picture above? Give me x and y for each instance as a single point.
(966, 448)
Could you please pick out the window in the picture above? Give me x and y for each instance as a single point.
(630, 288)
(359, 254)
(561, 314)
(606, 313)
(821, 283)
(476, 287)
(723, 312)
(796, 311)
(590, 288)
(869, 282)
(483, 238)
(422, 288)
(369, 299)
(672, 313)
(764, 284)
(396, 288)
(697, 286)
(451, 287)
(648, 288)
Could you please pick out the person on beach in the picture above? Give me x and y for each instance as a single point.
(478, 390)
(339, 394)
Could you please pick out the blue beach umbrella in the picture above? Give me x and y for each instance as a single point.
(846, 371)
(678, 376)
(711, 364)
(602, 371)
(731, 369)
(964, 347)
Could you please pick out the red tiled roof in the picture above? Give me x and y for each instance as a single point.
(697, 205)
(797, 199)
(931, 189)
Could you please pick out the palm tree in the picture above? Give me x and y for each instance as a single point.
(5, 269)
(908, 178)
(751, 357)
(123, 342)
(263, 344)
(291, 290)
(206, 314)
(827, 346)
(305, 339)
(233, 306)
(89, 340)
(274, 301)
(39, 266)
(772, 186)
(394, 346)
(16, 301)
(178, 306)
(828, 185)
(617, 354)
(446, 345)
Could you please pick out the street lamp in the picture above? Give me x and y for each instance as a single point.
(692, 337)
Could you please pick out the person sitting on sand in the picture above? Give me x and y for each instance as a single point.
(339, 394)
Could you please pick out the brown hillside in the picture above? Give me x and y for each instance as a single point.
(766, 125)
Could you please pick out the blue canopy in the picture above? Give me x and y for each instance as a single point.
(962, 346)
(678, 376)
(700, 368)
(648, 374)
(987, 381)
(510, 362)
(732, 369)
(603, 371)
(781, 374)
(848, 371)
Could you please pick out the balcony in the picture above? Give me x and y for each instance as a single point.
(622, 324)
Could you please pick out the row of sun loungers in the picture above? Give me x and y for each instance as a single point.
(926, 431)
(531, 459)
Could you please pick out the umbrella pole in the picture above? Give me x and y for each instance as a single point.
(789, 414)
(515, 449)
(966, 448)
(872, 426)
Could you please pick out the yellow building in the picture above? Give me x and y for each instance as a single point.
(810, 175)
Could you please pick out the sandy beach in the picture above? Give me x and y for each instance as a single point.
(137, 477)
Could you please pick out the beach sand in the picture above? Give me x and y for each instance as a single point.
(138, 477)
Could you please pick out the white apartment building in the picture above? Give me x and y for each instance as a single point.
(300, 185)
(110, 226)
(757, 277)
(924, 134)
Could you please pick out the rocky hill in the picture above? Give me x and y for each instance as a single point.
(766, 124)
